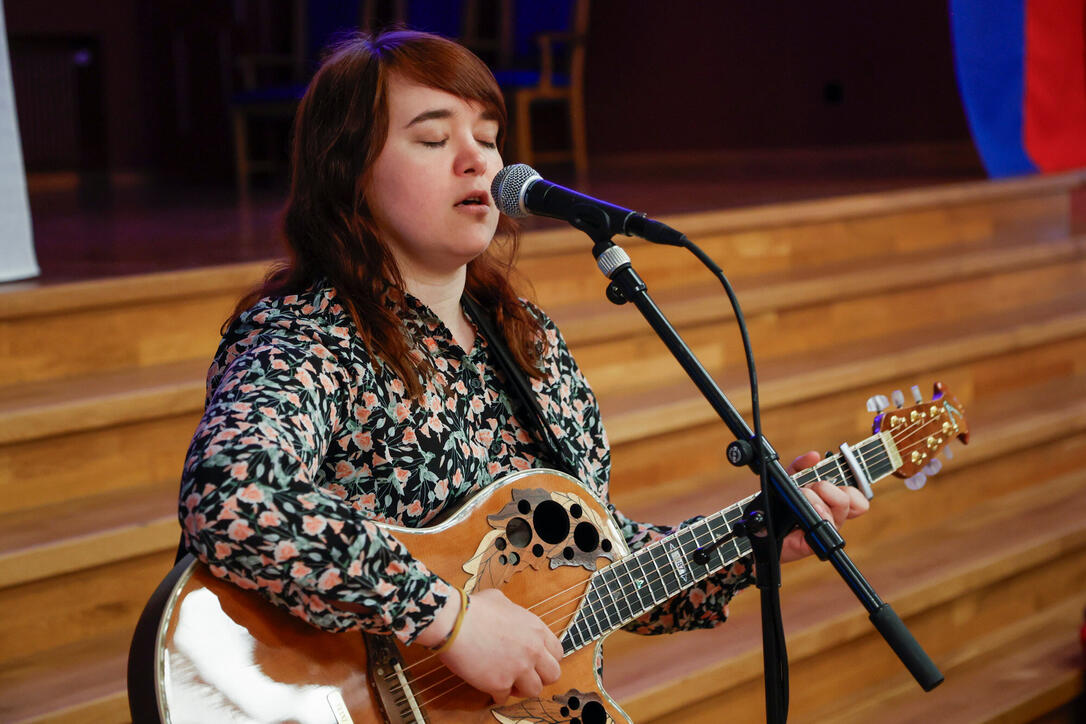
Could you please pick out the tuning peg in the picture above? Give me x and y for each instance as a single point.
(899, 398)
(877, 403)
(948, 453)
(916, 482)
(933, 467)
(916, 394)
(829, 454)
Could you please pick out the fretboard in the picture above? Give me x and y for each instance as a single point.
(628, 588)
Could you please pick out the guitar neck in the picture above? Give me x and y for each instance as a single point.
(623, 591)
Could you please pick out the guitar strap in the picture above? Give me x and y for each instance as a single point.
(533, 419)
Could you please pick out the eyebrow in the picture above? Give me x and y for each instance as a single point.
(440, 113)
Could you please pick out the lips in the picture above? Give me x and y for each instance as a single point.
(475, 198)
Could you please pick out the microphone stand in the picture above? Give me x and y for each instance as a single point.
(780, 500)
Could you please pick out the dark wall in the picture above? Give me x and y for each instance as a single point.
(662, 76)
(685, 74)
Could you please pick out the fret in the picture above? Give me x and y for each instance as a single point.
(607, 610)
(615, 586)
(590, 599)
(657, 584)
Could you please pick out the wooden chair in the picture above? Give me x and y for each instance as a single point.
(547, 83)
(277, 60)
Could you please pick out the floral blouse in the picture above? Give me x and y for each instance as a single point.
(306, 440)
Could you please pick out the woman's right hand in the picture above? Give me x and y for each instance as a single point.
(502, 649)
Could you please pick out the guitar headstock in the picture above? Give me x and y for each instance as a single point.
(922, 430)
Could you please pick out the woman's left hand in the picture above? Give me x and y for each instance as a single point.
(831, 502)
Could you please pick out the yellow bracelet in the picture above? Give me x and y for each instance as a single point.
(456, 626)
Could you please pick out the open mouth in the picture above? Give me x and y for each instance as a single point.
(479, 198)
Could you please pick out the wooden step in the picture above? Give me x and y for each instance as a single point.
(86, 532)
(936, 595)
(81, 682)
(677, 406)
(1017, 674)
(703, 302)
(855, 326)
(159, 318)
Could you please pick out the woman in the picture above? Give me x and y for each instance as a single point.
(352, 388)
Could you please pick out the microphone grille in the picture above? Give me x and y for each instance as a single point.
(509, 186)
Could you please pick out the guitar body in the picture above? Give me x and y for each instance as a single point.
(206, 650)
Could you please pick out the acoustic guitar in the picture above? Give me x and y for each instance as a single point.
(208, 651)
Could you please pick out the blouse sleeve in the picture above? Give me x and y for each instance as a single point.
(252, 507)
(575, 413)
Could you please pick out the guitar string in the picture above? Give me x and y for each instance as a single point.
(625, 597)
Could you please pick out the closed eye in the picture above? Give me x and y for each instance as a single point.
(487, 144)
(434, 144)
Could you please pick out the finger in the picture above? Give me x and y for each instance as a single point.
(836, 499)
(804, 461)
(528, 684)
(820, 507)
(548, 668)
(499, 697)
(554, 646)
(858, 502)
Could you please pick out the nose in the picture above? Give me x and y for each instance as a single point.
(471, 159)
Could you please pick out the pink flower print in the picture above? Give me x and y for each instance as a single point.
(293, 399)
(251, 494)
(239, 471)
(336, 526)
(344, 469)
(268, 412)
(384, 589)
(476, 405)
(415, 509)
(313, 524)
(397, 387)
(285, 550)
(299, 570)
(271, 584)
(458, 478)
(239, 530)
(363, 440)
(319, 351)
(521, 464)
(507, 437)
(441, 490)
(269, 519)
(222, 550)
(326, 384)
(401, 412)
(523, 436)
(192, 501)
(247, 388)
(409, 436)
(484, 436)
(435, 424)
(394, 568)
(355, 569)
(329, 579)
(369, 400)
(401, 474)
(697, 597)
(493, 468)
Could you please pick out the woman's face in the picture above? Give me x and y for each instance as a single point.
(429, 190)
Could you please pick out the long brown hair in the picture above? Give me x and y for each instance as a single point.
(339, 130)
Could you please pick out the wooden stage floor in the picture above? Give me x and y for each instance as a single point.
(142, 229)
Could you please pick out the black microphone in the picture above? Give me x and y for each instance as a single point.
(519, 191)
